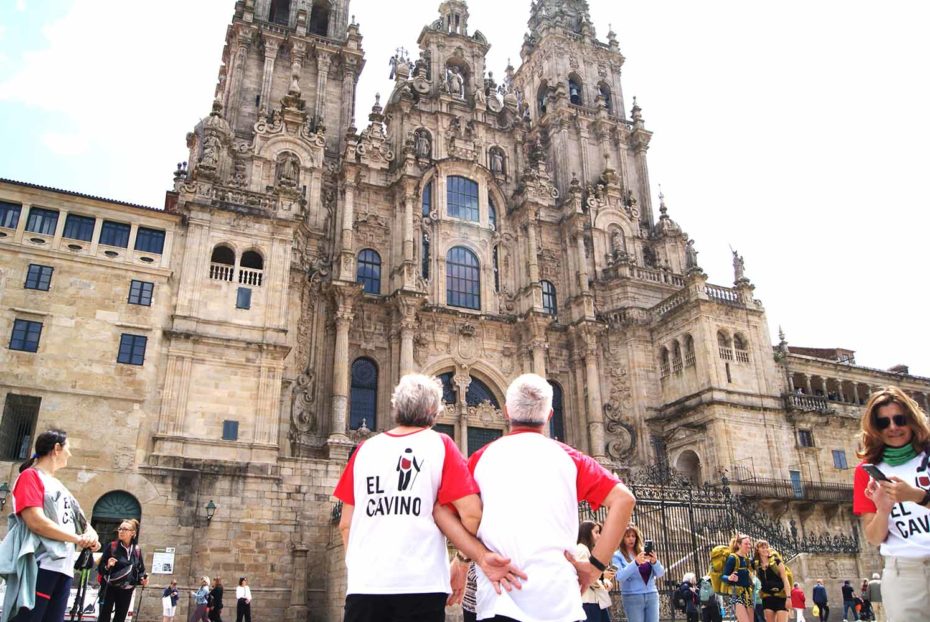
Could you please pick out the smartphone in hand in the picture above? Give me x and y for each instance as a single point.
(875, 472)
(648, 547)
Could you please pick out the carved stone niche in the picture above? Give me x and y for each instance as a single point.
(287, 171)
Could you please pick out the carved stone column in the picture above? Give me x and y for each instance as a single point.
(807, 384)
(323, 62)
(461, 380)
(588, 336)
(297, 609)
(538, 347)
(339, 443)
(406, 307)
(235, 77)
(347, 267)
(350, 70)
(271, 52)
(582, 259)
(409, 200)
(532, 245)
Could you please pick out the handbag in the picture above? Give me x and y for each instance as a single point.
(166, 602)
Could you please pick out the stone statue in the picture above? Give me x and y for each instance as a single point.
(617, 244)
(481, 99)
(294, 88)
(739, 267)
(455, 83)
(691, 255)
(211, 151)
(289, 171)
(497, 162)
(423, 146)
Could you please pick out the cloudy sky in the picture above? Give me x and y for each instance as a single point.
(797, 132)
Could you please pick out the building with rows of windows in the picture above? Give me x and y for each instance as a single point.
(233, 347)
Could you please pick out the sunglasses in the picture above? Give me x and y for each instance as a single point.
(882, 423)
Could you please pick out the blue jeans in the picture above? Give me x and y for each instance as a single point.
(641, 607)
(849, 605)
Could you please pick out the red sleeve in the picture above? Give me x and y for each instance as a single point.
(456, 481)
(28, 491)
(345, 489)
(861, 503)
(593, 481)
(475, 457)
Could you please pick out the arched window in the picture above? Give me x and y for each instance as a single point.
(463, 279)
(222, 263)
(479, 393)
(250, 269)
(280, 12)
(112, 509)
(542, 98)
(448, 388)
(676, 358)
(550, 304)
(462, 198)
(427, 200)
(319, 19)
(664, 361)
(689, 351)
(557, 422)
(575, 90)
(604, 91)
(741, 346)
(492, 213)
(725, 345)
(368, 272)
(251, 259)
(364, 397)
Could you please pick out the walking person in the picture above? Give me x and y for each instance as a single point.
(638, 567)
(894, 438)
(773, 576)
(798, 602)
(589, 533)
(820, 599)
(216, 600)
(45, 515)
(875, 597)
(243, 601)
(849, 602)
(121, 569)
(169, 602)
(737, 574)
(201, 602)
(710, 602)
(689, 594)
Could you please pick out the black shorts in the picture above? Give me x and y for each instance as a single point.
(395, 608)
(774, 603)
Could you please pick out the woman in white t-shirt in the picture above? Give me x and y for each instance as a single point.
(243, 601)
(895, 504)
(35, 489)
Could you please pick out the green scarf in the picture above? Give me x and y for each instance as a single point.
(896, 456)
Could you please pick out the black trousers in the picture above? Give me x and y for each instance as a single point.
(243, 611)
(52, 590)
(117, 599)
(824, 612)
(395, 607)
(711, 613)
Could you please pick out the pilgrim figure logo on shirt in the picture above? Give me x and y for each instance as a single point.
(406, 465)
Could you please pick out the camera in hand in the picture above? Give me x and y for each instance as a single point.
(649, 547)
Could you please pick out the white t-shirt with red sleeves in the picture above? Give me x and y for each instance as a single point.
(30, 490)
(908, 523)
(530, 487)
(393, 482)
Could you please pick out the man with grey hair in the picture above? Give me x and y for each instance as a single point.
(874, 595)
(395, 553)
(530, 487)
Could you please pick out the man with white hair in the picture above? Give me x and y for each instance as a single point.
(396, 557)
(874, 595)
(530, 487)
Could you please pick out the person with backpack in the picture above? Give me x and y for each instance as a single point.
(686, 597)
(737, 574)
(710, 604)
(121, 569)
(773, 575)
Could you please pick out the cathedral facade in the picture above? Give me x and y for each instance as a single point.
(231, 349)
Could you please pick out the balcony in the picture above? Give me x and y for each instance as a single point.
(810, 403)
(759, 488)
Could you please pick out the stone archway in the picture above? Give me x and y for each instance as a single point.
(689, 465)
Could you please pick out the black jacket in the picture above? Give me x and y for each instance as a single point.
(130, 565)
(216, 597)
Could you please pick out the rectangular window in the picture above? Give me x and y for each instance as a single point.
(150, 240)
(9, 215)
(839, 459)
(114, 234)
(140, 293)
(131, 349)
(39, 277)
(796, 486)
(805, 438)
(79, 227)
(20, 413)
(42, 221)
(25, 337)
(230, 430)
(244, 298)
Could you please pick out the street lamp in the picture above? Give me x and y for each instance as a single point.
(4, 493)
(211, 510)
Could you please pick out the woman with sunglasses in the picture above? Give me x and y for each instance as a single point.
(121, 569)
(894, 502)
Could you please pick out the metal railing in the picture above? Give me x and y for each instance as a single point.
(799, 490)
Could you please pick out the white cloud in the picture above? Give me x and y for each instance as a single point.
(21, 5)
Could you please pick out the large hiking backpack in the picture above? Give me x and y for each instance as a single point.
(679, 601)
(718, 559)
(774, 556)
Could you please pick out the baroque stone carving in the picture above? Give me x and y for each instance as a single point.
(303, 419)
